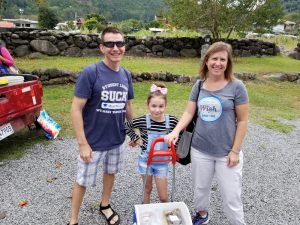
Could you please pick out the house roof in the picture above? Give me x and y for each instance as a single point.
(289, 23)
(21, 21)
(7, 24)
(80, 20)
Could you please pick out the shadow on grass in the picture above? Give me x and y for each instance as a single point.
(14, 146)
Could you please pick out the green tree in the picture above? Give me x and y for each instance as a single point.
(127, 26)
(91, 24)
(224, 16)
(98, 17)
(294, 16)
(47, 18)
(153, 23)
(4, 2)
(95, 21)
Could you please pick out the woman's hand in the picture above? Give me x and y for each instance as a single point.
(171, 137)
(233, 159)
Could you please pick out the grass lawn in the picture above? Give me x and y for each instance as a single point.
(269, 101)
(186, 66)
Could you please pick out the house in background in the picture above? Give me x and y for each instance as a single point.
(79, 22)
(289, 26)
(23, 23)
(6, 24)
(278, 29)
(161, 19)
(157, 30)
(286, 27)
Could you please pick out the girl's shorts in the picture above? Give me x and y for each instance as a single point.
(112, 161)
(156, 169)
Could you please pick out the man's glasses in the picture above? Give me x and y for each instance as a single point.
(111, 44)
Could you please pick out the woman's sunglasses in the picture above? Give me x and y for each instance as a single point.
(111, 44)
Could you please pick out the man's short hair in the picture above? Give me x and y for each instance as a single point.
(113, 30)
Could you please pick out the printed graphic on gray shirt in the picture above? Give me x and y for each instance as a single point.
(210, 109)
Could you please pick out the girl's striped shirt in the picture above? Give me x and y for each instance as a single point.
(140, 124)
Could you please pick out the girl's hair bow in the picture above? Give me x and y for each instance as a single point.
(155, 88)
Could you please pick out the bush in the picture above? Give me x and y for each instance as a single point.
(131, 25)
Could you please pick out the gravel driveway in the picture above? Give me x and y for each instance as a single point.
(44, 177)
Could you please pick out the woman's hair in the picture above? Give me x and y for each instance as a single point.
(214, 48)
(157, 89)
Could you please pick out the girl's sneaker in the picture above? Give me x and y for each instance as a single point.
(197, 219)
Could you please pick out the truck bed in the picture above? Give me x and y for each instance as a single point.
(20, 104)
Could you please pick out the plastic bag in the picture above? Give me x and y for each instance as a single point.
(13, 70)
(48, 124)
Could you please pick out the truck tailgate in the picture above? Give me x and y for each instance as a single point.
(20, 99)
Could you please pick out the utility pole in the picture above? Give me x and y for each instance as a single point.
(21, 11)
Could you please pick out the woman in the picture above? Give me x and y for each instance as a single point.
(6, 60)
(219, 133)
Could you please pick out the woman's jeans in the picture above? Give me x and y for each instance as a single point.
(204, 167)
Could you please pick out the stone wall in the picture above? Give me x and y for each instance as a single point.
(296, 53)
(41, 42)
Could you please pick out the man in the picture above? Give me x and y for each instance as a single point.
(101, 102)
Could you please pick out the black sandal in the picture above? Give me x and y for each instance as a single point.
(73, 224)
(109, 219)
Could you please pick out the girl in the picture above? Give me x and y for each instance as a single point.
(152, 125)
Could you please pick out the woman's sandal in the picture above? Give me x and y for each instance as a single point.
(109, 219)
(73, 224)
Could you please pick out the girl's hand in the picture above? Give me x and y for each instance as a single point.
(233, 159)
(171, 137)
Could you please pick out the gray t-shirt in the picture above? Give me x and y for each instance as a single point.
(216, 124)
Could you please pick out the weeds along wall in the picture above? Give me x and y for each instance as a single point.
(55, 76)
(37, 43)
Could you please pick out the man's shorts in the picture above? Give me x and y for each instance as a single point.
(156, 169)
(112, 161)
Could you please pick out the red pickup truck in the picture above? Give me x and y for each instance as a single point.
(20, 103)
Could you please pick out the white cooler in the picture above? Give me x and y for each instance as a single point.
(154, 214)
(13, 79)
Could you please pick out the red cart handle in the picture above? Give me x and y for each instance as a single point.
(171, 153)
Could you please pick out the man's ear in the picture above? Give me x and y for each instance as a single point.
(101, 48)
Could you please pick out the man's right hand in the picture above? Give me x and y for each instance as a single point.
(133, 144)
(85, 153)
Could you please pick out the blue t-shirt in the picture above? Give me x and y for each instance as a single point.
(216, 124)
(107, 93)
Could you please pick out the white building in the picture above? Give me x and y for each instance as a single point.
(157, 30)
(289, 25)
(278, 29)
(23, 23)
